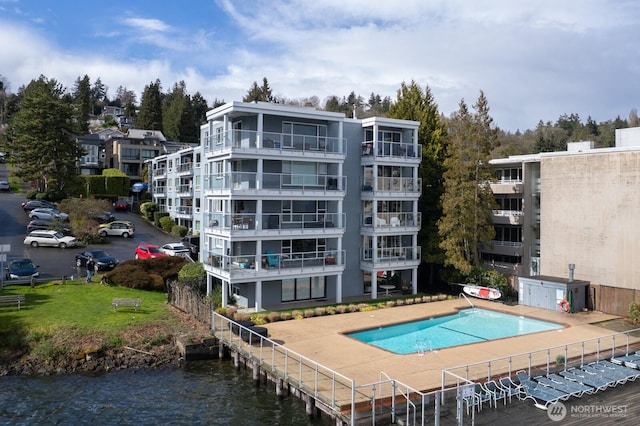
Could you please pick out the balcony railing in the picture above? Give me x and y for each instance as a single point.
(253, 140)
(159, 190)
(393, 184)
(185, 168)
(391, 254)
(274, 181)
(274, 262)
(275, 221)
(390, 149)
(160, 173)
(391, 220)
(184, 189)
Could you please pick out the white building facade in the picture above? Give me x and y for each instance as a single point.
(296, 205)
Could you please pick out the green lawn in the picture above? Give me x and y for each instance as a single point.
(75, 310)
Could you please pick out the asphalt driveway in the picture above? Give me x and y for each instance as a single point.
(55, 262)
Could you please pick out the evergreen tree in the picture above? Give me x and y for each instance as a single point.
(413, 103)
(150, 114)
(467, 201)
(259, 93)
(41, 136)
(200, 108)
(82, 100)
(98, 96)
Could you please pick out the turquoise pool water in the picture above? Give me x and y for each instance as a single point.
(467, 326)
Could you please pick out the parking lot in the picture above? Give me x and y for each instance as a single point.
(56, 262)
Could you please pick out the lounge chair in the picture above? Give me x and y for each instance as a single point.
(563, 385)
(620, 378)
(541, 395)
(631, 373)
(597, 382)
(631, 361)
(574, 383)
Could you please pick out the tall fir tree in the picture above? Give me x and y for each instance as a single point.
(41, 136)
(150, 114)
(467, 201)
(82, 104)
(412, 103)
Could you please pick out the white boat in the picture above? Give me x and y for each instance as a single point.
(487, 293)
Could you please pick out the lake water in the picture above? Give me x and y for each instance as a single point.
(199, 393)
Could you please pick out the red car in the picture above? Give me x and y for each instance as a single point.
(122, 203)
(148, 251)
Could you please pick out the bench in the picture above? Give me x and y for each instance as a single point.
(14, 299)
(121, 302)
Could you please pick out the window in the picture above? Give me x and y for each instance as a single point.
(304, 288)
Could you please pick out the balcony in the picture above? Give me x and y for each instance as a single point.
(406, 185)
(277, 143)
(160, 173)
(251, 181)
(391, 257)
(393, 220)
(275, 264)
(159, 191)
(508, 217)
(184, 168)
(506, 186)
(311, 223)
(378, 150)
(185, 190)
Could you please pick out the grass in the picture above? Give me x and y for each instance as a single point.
(74, 317)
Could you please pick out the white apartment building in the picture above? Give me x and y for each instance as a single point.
(295, 205)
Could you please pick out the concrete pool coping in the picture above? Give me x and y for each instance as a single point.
(323, 340)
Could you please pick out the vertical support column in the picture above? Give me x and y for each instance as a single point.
(279, 388)
(258, 296)
(225, 291)
(414, 280)
(210, 285)
(259, 137)
(256, 373)
(236, 359)
(339, 288)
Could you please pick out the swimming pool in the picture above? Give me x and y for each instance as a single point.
(467, 326)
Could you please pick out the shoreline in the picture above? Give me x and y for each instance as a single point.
(130, 355)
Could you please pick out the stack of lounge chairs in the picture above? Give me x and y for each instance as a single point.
(548, 389)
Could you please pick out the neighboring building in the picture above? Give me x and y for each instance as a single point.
(577, 207)
(176, 185)
(128, 152)
(93, 162)
(296, 205)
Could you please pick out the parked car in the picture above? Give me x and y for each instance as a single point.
(192, 242)
(173, 249)
(104, 261)
(37, 204)
(42, 224)
(49, 238)
(122, 203)
(105, 217)
(48, 214)
(117, 228)
(4, 185)
(22, 268)
(148, 251)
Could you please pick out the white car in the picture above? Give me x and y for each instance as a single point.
(49, 238)
(4, 185)
(118, 228)
(48, 214)
(174, 249)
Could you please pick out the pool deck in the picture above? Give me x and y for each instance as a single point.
(322, 339)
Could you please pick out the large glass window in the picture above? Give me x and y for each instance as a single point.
(303, 288)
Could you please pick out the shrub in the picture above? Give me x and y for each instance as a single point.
(426, 298)
(259, 319)
(194, 275)
(148, 209)
(273, 317)
(320, 311)
(285, 316)
(353, 308)
(297, 314)
(364, 307)
(231, 311)
(408, 301)
(331, 310)
(341, 309)
(241, 316)
(179, 231)
(166, 223)
(309, 313)
(634, 312)
(157, 216)
(399, 302)
(391, 303)
(149, 274)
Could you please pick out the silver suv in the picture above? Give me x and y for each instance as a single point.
(118, 228)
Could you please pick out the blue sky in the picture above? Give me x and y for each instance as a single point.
(534, 60)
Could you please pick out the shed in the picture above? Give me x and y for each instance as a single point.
(548, 292)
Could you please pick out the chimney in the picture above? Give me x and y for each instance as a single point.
(572, 266)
